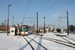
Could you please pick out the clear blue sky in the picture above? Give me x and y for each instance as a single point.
(18, 10)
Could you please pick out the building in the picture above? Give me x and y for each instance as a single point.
(71, 27)
(4, 28)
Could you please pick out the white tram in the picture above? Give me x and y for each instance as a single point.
(24, 29)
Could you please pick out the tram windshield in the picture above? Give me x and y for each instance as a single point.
(24, 28)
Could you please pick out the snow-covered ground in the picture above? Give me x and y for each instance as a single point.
(49, 44)
(14, 43)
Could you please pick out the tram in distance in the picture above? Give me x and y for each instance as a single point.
(24, 29)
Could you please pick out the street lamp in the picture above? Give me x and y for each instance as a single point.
(8, 19)
(44, 25)
(12, 21)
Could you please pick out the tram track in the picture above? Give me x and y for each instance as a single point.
(67, 39)
(38, 43)
(34, 41)
(29, 43)
(61, 42)
(66, 43)
(70, 38)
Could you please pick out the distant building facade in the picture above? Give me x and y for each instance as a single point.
(4, 28)
(71, 27)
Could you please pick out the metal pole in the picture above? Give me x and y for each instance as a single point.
(67, 23)
(12, 21)
(31, 25)
(37, 22)
(8, 20)
(44, 25)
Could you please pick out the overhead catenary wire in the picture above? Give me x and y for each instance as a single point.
(67, 8)
(28, 20)
(72, 11)
(33, 15)
(42, 7)
(49, 7)
(28, 8)
(64, 13)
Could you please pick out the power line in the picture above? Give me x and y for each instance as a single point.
(42, 7)
(29, 18)
(67, 7)
(72, 11)
(29, 21)
(49, 7)
(34, 15)
(60, 20)
(28, 7)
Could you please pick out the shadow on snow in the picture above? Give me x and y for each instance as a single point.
(27, 44)
(40, 41)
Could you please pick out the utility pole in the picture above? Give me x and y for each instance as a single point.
(8, 20)
(31, 25)
(44, 25)
(12, 21)
(34, 25)
(37, 22)
(67, 23)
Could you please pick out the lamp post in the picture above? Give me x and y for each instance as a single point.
(8, 19)
(12, 21)
(44, 25)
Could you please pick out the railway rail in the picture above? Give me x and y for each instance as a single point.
(34, 41)
(70, 38)
(28, 43)
(61, 42)
(69, 44)
(67, 39)
(66, 43)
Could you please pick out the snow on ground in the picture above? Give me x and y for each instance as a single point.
(51, 45)
(35, 45)
(14, 43)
